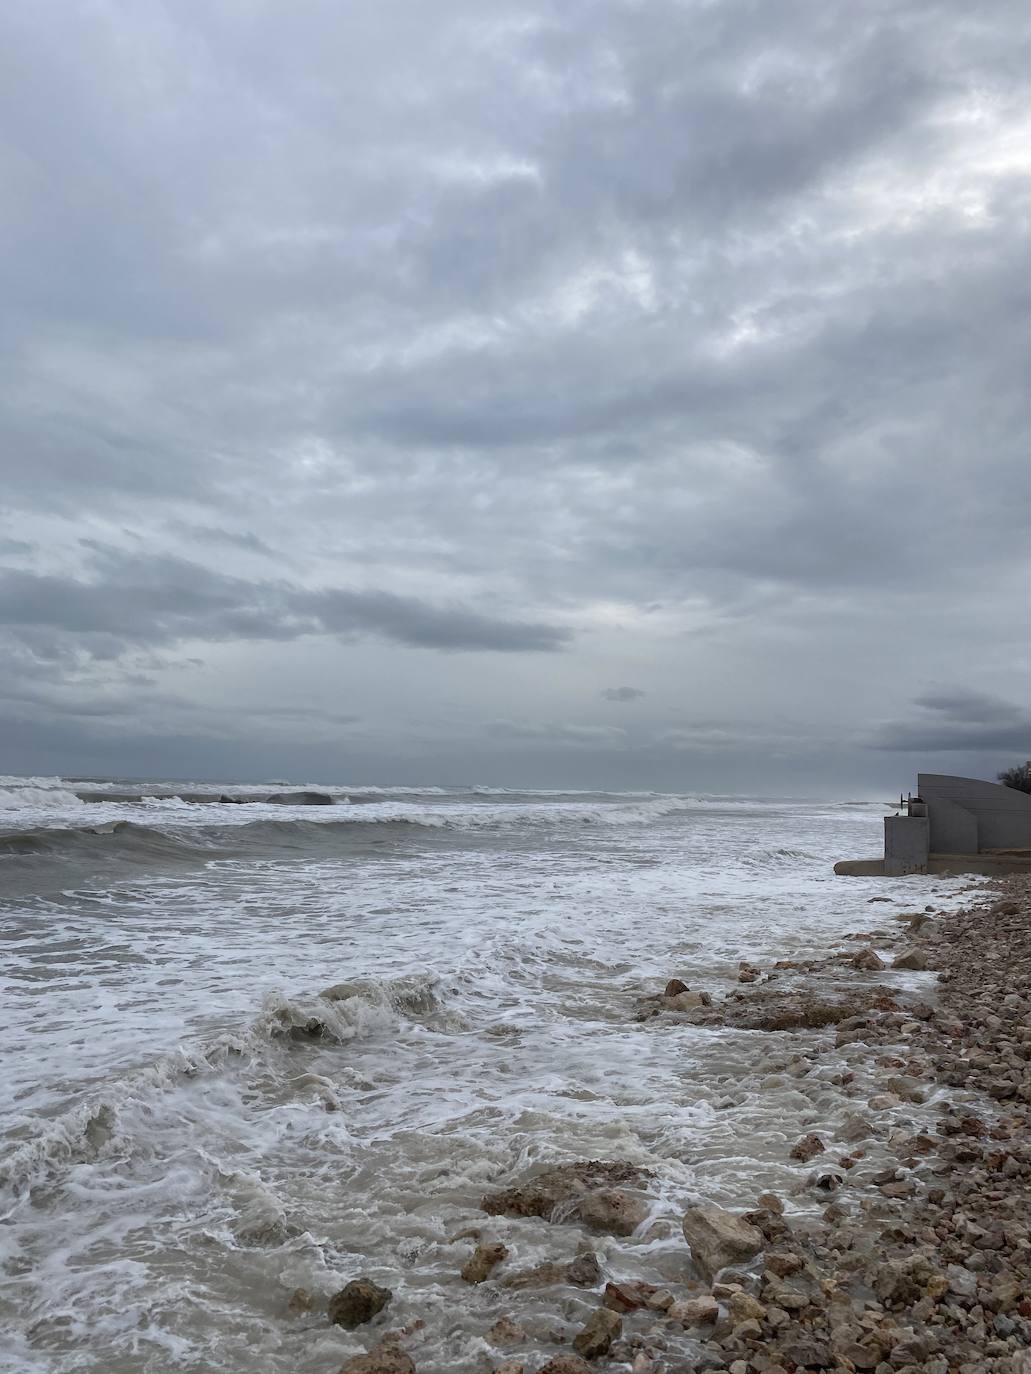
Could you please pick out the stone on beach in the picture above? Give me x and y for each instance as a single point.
(808, 1148)
(506, 1332)
(584, 1270)
(586, 1192)
(694, 1311)
(357, 1303)
(601, 1329)
(689, 1001)
(718, 1238)
(868, 960)
(300, 1301)
(627, 1297)
(484, 1258)
(769, 1008)
(385, 1358)
(565, 1364)
(612, 1211)
(914, 959)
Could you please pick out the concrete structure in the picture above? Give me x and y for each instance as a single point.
(907, 841)
(954, 825)
(969, 816)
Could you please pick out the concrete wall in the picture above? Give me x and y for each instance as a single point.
(906, 845)
(968, 815)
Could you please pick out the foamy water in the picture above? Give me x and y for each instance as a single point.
(256, 1047)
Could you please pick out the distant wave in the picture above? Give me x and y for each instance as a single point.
(129, 840)
(18, 793)
(171, 827)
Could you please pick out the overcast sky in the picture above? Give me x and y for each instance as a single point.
(625, 393)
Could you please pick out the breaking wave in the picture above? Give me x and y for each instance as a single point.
(133, 842)
(92, 1128)
(35, 792)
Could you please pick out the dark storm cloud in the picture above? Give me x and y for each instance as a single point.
(960, 722)
(409, 621)
(451, 326)
(157, 601)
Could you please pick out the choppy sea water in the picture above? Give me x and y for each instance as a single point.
(192, 1128)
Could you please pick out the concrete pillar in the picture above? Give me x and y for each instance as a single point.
(907, 843)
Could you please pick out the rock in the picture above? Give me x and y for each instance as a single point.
(868, 960)
(727, 1287)
(768, 1008)
(895, 1283)
(694, 1311)
(613, 1212)
(540, 1276)
(808, 1355)
(626, 1297)
(914, 959)
(808, 1148)
(584, 1271)
(506, 1332)
(961, 1281)
(601, 1329)
(856, 1128)
(556, 1194)
(743, 1307)
(1006, 909)
(300, 1301)
(510, 1367)
(783, 1263)
(483, 1259)
(661, 1300)
(674, 987)
(827, 1180)
(688, 1001)
(770, 1202)
(786, 1297)
(748, 1330)
(357, 1303)
(859, 1356)
(565, 1364)
(718, 1238)
(385, 1358)
(907, 1088)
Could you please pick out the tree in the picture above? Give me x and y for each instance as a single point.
(1018, 777)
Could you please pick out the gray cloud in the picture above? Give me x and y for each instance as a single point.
(622, 693)
(339, 345)
(959, 722)
(162, 600)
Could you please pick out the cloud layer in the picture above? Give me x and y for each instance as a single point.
(379, 386)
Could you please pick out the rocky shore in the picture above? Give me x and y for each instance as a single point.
(918, 1256)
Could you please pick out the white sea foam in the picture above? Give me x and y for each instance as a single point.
(35, 795)
(283, 1067)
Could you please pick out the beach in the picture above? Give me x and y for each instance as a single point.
(268, 1050)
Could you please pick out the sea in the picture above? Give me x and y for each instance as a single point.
(252, 1046)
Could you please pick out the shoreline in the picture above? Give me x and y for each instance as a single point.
(919, 1259)
(931, 1270)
